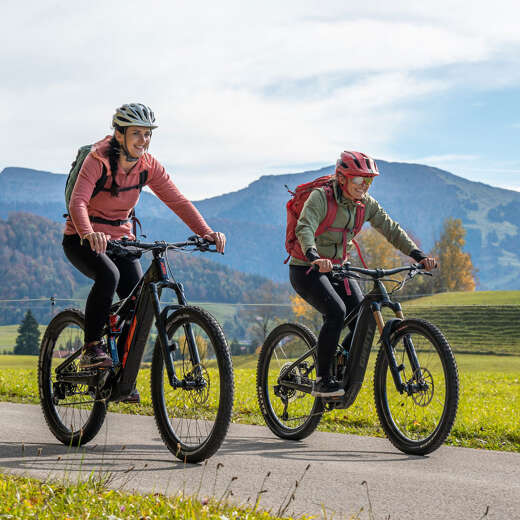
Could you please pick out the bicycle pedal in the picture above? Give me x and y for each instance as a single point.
(333, 398)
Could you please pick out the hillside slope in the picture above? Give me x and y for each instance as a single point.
(33, 266)
(419, 197)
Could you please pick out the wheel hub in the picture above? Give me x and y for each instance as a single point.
(422, 387)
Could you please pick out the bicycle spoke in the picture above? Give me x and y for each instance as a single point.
(190, 418)
(72, 414)
(289, 412)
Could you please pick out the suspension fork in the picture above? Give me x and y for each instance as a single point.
(385, 330)
(408, 344)
(188, 331)
(161, 320)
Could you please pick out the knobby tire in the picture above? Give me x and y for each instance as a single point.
(193, 429)
(404, 417)
(73, 426)
(285, 342)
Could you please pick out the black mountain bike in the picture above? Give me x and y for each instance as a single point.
(416, 384)
(191, 371)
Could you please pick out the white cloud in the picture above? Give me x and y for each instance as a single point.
(239, 88)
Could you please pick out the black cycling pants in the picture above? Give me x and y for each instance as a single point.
(333, 302)
(109, 275)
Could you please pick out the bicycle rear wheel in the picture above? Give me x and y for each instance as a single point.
(193, 421)
(69, 409)
(289, 413)
(418, 422)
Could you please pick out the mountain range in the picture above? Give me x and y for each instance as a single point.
(419, 197)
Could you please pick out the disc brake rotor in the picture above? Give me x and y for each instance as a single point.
(424, 380)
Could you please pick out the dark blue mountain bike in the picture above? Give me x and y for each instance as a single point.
(416, 384)
(191, 373)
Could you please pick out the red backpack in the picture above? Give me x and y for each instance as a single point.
(294, 208)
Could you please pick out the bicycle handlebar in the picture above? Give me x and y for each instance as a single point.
(343, 271)
(377, 273)
(200, 244)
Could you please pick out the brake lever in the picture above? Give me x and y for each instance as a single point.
(202, 244)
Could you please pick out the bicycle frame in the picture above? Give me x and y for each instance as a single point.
(367, 315)
(141, 307)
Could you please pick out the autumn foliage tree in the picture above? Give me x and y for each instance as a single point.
(305, 313)
(378, 252)
(456, 269)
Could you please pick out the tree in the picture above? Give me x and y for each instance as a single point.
(378, 252)
(262, 313)
(305, 313)
(456, 269)
(28, 339)
(236, 348)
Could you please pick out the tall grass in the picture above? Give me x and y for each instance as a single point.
(22, 497)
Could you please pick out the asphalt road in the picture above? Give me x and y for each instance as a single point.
(347, 473)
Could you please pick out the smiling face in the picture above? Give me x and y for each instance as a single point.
(352, 188)
(136, 139)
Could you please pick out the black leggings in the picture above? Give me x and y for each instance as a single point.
(333, 302)
(109, 275)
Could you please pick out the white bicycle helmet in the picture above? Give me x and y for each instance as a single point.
(134, 114)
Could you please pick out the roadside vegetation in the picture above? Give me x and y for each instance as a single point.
(487, 416)
(22, 497)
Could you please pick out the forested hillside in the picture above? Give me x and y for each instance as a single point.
(419, 197)
(32, 266)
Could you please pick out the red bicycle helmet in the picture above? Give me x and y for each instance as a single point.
(352, 164)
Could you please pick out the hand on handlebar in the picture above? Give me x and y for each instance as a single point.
(218, 238)
(98, 241)
(324, 265)
(428, 263)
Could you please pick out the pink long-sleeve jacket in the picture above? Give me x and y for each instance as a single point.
(104, 205)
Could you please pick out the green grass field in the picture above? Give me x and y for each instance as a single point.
(487, 415)
(469, 298)
(8, 335)
(474, 328)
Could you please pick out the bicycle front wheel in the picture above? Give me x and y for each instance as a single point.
(289, 413)
(193, 420)
(70, 411)
(419, 420)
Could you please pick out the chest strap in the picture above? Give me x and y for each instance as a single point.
(100, 220)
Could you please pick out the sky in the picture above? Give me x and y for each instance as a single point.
(243, 89)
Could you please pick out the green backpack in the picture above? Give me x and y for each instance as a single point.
(74, 172)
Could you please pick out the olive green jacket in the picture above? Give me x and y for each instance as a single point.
(330, 243)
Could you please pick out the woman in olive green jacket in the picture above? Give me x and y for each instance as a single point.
(354, 174)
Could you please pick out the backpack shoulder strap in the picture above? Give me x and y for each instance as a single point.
(332, 209)
(143, 178)
(100, 184)
(360, 217)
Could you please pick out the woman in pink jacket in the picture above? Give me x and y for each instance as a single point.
(93, 220)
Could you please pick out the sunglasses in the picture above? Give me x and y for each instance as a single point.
(360, 180)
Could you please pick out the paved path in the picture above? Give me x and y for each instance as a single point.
(452, 483)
